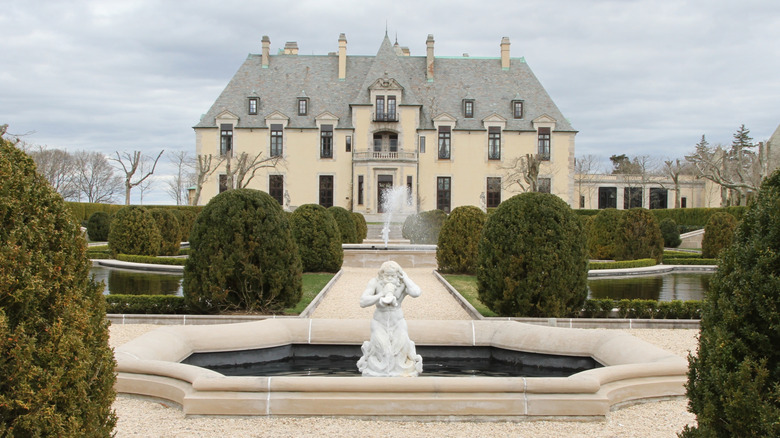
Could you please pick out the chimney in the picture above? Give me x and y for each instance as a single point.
(342, 57)
(266, 50)
(505, 53)
(429, 57)
(291, 48)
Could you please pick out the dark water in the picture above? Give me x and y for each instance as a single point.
(124, 282)
(665, 287)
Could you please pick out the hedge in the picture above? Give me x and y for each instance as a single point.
(696, 216)
(640, 263)
(147, 304)
(81, 211)
(682, 255)
(690, 261)
(642, 309)
(151, 259)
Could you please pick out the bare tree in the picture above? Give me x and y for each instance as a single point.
(58, 167)
(130, 165)
(585, 169)
(183, 178)
(523, 171)
(241, 169)
(203, 170)
(95, 177)
(674, 169)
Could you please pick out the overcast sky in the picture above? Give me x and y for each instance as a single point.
(633, 76)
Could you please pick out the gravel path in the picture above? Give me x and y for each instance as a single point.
(145, 417)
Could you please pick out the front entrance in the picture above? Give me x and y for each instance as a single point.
(384, 183)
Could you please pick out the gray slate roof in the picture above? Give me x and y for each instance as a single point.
(316, 77)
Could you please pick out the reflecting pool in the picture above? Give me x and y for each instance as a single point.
(665, 287)
(121, 281)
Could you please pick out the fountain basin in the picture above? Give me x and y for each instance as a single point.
(367, 255)
(633, 371)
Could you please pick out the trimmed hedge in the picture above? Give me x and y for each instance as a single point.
(151, 259)
(718, 234)
(360, 225)
(640, 263)
(98, 226)
(638, 236)
(457, 248)
(642, 309)
(424, 227)
(602, 236)
(670, 232)
(682, 255)
(147, 305)
(695, 217)
(99, 252)
(134, 231)
(690, 261)
(170, 231)
(318, 238)
(345, 222)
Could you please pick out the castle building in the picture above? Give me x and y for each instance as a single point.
(346, 127)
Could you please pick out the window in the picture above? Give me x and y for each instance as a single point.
(544, 144)
(223, 183)
(544, 185)
(276, 141)
(409, 190)
(683, 202)
(582, 201)
(360, 189)
(276, 188)
(326, 141)
(494, 143)
(380, 108)
(303, 106)
(391, 114)
(443, 193)
(226, 140)
(468, 109)
(493, 192)
(517, 109)
(632, 197)
(658, 198)
(607, 197)
(444, 142)
(326, 190)
(348, 143)
(253, 105)
(422, 144)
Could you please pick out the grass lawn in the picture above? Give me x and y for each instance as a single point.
(312, 285)
(466, 285)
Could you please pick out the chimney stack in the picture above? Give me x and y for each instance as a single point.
(505, 53)
(266, 50)
(291, 48)
(429, 57)
(342, 57)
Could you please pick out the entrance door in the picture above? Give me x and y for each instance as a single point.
(384, 183)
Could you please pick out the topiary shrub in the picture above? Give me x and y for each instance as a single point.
(243, 256)
(410, 227)
(98, 226)
(361, 226)
(670, 232)
(733, 379)
(170, 231)
(424, 227)
(186, 220)
(532, 258)
(134, 231)
(318, 238)
(346, 224)
(639, 236)
(602, 234)
(56, 367)
(456, 250)
(718, 234)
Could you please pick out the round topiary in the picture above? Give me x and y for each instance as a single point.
(602, 234)
(56, 365)
(532, 258)
(456, 250)
(170, 231)
(361, 226)
(186, 219)
(243, 256)
(733, 378)
(670, 233)
(718, 234)
(318, 238)
(639, 236)
(346, 224)
(134, 231)
(410, 227)
(98, 226)
(424, 227)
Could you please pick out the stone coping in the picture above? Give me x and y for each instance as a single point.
(634, 371)
(111, 263)
(650, 270)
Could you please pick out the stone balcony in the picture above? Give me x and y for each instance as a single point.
(384, 156)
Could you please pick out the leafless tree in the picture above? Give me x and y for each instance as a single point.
(524, 172)
(95, 177)
(58, 167)
(130, 165)
(674, 169)
(183, 178)
(585, 169)
(241, 169)
(205, 167)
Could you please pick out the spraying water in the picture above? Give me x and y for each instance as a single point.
(393, 200)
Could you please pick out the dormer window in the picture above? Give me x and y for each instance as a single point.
(226, 139)
(517, 109)
(303, 106)
(253, 103)
(468, 108)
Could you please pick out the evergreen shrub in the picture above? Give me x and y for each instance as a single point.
(361, 226)
(734, 378)
(458, 244)
(318, 238)
(134, 231)
(424, 227)
(98, 226)
(718, 234)
(56, 367)
(243, 256)
(602, 234)
(170, 231)
(152, 260)
(639, 236)
(670, 233)
(533, 258)
(186, 219)
(345, 223)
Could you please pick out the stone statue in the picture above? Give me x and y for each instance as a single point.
(390, 352)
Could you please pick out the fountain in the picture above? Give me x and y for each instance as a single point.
(393, 200)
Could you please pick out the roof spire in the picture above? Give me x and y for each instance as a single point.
(385, 27)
